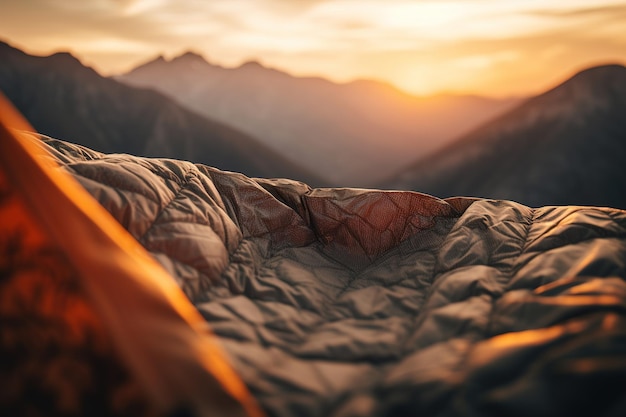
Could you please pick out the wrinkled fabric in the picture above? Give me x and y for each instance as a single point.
(349, 302)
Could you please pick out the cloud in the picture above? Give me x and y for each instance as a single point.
(420, 45)
(611, 11)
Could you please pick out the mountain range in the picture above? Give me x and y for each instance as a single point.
(64, 99)
(353, 134)
(565, 146)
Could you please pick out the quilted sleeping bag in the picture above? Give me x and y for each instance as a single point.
(351, 302)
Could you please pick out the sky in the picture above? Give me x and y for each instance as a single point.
(487, 47)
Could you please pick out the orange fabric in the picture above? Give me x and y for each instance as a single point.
(57, 357)
(161, 337)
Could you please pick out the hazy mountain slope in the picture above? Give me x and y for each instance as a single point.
(64, 99)
(566, 146)
(354, 133)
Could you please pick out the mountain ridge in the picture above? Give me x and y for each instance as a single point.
(329, 127)
(564, 146)
(64, 99)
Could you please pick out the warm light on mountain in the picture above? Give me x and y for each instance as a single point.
(477, 46)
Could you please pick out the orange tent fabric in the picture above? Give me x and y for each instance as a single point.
(74, 279)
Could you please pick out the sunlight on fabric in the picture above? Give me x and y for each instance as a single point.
(162, 338)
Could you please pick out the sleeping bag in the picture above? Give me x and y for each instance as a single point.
(333, 302)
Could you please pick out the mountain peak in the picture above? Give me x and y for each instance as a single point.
(602, 70)
(589, 89)
(63, 56)
(189, 56)
(601, 75)
(158, 61)
(596, 78)
(252, 64)
(187, 59)
(68, 62)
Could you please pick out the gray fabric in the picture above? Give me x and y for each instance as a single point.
(348, 302)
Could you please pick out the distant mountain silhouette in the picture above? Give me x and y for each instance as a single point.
(354, 134)
(566, 146)
(66, 100)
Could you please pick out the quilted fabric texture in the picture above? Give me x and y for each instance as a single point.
(348, 302)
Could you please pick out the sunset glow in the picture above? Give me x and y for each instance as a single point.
(470, 46)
